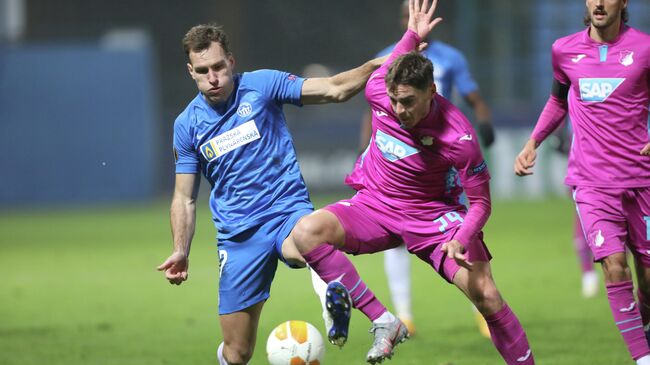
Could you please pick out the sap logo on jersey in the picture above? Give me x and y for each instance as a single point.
(598, 89)
(392, 148)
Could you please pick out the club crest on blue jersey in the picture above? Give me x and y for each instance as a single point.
(392, 148)
(230, 140)
(598, 89)
(245, 109)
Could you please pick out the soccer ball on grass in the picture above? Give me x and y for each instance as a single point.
(295, 343)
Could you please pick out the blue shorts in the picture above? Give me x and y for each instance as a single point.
(247, 262)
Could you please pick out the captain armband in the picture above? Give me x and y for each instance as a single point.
(560, 90)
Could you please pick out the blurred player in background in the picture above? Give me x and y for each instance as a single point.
(234, 133)
(602, 78)
(450, 70)
(409, 187)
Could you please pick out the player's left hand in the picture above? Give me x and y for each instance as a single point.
(456, 251)
(646, 150)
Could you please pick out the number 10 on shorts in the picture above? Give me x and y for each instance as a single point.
(647, 227)
(448, 218)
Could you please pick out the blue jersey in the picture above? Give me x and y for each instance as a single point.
(244, 149)
(449, 68)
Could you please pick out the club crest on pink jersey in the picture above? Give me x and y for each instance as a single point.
(626, 58)
(596, 238)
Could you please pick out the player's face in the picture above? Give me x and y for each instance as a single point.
(411, 104)
(212, 71)
(604, 13)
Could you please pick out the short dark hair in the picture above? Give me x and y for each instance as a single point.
(201, 36)
(411, 69)
(625, 16)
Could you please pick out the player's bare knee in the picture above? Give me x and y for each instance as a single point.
(304, 234)
(616, 269)
(483, 291)
(487, 299)
(309, 233)
(291, 254)
(238, 353)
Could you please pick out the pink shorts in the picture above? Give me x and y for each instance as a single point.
(612, 218)
(371, 226)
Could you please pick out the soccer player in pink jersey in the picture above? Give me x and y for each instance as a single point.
(602, 78)
(422, 149)
(451, 74)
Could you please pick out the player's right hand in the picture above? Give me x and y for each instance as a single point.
(175, 268)
(456, 251)
(526, 159)
(420, 15)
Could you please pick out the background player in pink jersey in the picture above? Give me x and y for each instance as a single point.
(602, 78)
(423, 153)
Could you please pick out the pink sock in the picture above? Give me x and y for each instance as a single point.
(509, 337)
(331, 264)
(628, 317)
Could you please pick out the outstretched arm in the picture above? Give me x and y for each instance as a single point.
(340, 87)
(343, 86)
(183, 219)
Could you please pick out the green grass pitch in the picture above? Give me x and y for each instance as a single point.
(80, 287)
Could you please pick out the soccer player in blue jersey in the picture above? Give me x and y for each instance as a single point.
(450, 71)
(234, 133)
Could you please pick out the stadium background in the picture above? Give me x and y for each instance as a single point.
(88, 94)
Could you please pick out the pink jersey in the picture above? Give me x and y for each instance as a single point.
(608, 106)
(424, 167)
